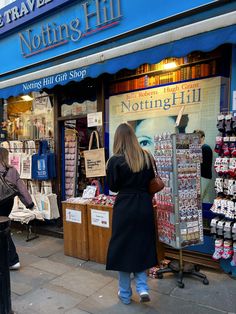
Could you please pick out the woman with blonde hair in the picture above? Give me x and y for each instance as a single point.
(132, 248)
(12, 176)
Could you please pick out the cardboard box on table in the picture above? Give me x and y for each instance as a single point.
(99, 231)
(75, 226)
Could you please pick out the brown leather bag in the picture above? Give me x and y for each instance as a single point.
(156, 184)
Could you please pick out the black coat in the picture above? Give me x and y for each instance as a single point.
(132, 246)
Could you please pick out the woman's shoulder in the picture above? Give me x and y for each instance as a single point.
(116, 159)
(11, 171)
(4, 169)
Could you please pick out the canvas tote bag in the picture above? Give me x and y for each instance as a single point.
(94, 159)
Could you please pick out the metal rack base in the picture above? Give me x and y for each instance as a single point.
(187, 269)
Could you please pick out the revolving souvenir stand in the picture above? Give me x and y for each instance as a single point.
(179, 212)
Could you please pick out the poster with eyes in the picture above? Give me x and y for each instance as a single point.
(154, 110)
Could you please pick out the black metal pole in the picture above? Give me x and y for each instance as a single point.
(5, 288)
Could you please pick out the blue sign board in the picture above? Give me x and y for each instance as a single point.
(80, 25)
(22, 11)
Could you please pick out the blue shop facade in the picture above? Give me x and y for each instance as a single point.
(90, 65)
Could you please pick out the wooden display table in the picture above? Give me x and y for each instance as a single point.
(75, 225)
(99, 231)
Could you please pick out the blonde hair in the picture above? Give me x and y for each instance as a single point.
(126, 143)
(4, 157)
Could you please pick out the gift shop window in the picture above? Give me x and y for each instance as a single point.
(78, 101)
(29, 117)
(152, 96)
(27, 132)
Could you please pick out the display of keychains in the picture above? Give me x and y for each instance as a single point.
(179, 212)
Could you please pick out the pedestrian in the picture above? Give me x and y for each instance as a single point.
(207, 190)
(13, 177)
(132, 248)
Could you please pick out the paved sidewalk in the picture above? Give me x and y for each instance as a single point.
(49, 282)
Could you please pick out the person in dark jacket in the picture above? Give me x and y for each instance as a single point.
(12, 175)
(132, 248)
(207, 189)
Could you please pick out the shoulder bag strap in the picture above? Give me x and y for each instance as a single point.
(5, 172)
(153, 163)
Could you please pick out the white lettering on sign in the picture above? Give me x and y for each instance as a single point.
(24, 8)
(51, 80)
(95, 15)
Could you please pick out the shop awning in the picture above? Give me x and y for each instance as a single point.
(174, 43)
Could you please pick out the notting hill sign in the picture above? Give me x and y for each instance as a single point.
(94, 15)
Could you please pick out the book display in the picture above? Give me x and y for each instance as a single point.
(170, 70)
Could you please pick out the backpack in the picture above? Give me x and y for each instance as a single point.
(7, 190)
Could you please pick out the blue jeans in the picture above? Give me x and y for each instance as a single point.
(125, 291)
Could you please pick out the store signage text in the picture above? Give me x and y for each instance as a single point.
(23, 8)
(97, 16)
(78, 74)
(153, 99)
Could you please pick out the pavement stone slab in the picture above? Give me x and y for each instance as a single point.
(82, 281)
(60, 257)
(44, 301)
(76, 311)
(20, 288)
(164, 304)
(101, 268)
(164, 286)
(220, 293)
(27, 259)
(13, 296)
(51, 267)
(29, 277)
(20, 238)
(48, 247)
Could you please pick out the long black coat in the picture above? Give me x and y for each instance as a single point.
(132, 246)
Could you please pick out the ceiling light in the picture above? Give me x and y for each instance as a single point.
(26, 98)
(170, 65)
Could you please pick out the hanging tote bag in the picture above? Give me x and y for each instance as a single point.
(156, 184)
(15, 161)
(94, 159)
(26, 166)
(51, 159)
(7, 190)
(43, 163)
(40, 164)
